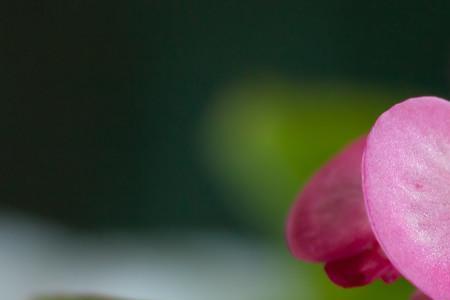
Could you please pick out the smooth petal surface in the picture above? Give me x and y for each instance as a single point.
(406, 181)
(328, 221)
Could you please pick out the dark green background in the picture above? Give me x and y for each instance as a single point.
(100, 101)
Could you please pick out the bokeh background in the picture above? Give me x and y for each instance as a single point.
(151, 149)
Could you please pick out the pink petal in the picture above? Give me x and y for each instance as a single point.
(328, 221)
(418, 295)
(390, 274)
(406, 175)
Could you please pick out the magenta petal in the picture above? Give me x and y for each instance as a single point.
(406, 174)
(361, 269)
(390, 274)
(418, 295)
(328, 221)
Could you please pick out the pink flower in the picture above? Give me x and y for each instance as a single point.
(382, 202)
(328, 224)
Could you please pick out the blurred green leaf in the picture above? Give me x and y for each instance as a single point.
(264, 139)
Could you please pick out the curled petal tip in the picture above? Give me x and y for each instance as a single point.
(362, 269)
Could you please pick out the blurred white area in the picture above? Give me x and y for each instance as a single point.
(36, 258)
